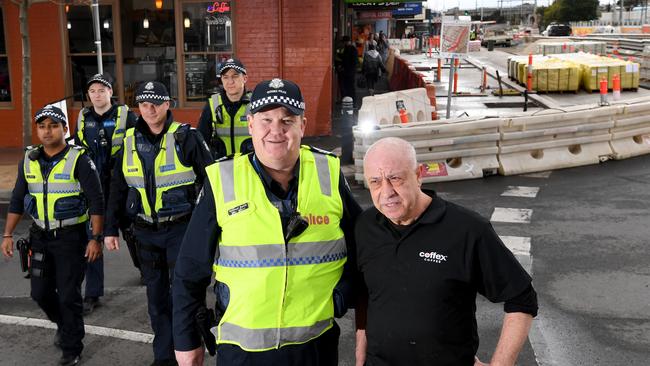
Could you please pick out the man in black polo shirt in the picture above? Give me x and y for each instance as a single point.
(424, 260)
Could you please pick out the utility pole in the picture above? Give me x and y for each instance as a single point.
(620, 13)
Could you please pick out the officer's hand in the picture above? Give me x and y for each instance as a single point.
(190, 358)
(93, 250)
(8, 247)
(362, 346)
(112, 242)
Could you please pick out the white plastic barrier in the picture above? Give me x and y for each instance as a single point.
(631, 132)
(464, 149)
(381, 109)
(555, 140)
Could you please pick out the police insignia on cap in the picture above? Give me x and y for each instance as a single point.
(230, 60)
(276, 83)
(149, 86)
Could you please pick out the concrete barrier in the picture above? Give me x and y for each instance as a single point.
(631, 131)
(381, 109)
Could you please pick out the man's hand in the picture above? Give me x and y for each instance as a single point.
(112, 242)
(362, 346)
(8, 247)
(190, 358)
(93, 250)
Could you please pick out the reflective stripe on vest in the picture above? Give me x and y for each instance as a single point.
(169, 171)
(280, 293)
(221, 125)
(118, 132)
(60, 184)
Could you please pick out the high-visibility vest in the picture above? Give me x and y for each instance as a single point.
(169, 171)
(231, 131)
(279, 293)
(57, 187)
(118, 132)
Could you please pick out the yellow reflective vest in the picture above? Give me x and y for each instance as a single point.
(280, 293)
(57, 196)
(222, 124)
(169, 172)
(118, 132)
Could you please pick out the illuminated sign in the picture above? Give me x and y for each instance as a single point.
(219, 7)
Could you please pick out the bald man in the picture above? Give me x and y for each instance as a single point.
(424, 260)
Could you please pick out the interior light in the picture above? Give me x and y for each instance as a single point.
(186, 22)
(145, 23)
(106, 25)
(69, 25)
(159, 4)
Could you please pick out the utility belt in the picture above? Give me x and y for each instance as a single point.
(53, 233)
(159, 260)
(148, 223)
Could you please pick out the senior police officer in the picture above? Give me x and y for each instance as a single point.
(154, 184)
(280, 221)
(101, 128)
(58, 186)
(223, 121)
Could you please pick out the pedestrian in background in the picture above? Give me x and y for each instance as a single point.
(276, 227)
(372, 67)
(424, 260)
(154, 184)
(58, 186)
(349, 61)
(100, 129)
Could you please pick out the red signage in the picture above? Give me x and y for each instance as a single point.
(219, 7)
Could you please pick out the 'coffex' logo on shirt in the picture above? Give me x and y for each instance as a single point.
(433, 257)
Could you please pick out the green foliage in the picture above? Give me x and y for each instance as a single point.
(564, 11)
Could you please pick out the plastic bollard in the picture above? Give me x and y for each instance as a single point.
(403, 116)
(456, 64)
(616, 87)
(603, 92)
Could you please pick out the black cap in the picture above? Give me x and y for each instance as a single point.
(232, 63)
(277, 92)
(103, 79)
(152, 92)
(52, 112)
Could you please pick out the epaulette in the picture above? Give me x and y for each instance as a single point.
(77, 147)
(32, 147)
(181, 132)
(227, 157)
(320, 151)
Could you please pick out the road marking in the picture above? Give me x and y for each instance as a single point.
(90, 329)
(544, 175)
(521, 191)
(512, 215)
(518, 245)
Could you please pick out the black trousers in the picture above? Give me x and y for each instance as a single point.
(56, 281)
(322, 351)
(157, 251)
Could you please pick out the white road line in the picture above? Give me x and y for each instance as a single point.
(544, 175)
(90, 329)
(521, 191)
(512, 215)
(518, 245)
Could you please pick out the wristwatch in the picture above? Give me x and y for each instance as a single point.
(98, 238)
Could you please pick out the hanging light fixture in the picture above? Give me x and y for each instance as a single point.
(145, 23)
(159, 4)
(186, 22)
(69, 25)
(106, 24)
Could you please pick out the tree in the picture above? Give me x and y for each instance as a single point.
(571, 11)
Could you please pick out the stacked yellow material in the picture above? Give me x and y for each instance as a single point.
(594, 68)
(554, 75)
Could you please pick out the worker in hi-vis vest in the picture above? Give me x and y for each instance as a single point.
(58, 186)
(276, 227)
(223, 121)
(154, 183)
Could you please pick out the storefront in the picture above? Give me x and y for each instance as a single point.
(177, 42)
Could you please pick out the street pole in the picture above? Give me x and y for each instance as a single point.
(452, 71)
(620, 12)
(98, 39)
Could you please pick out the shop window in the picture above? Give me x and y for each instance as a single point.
(148, 45)
(207, 41)
(5, 90)
(81, 45)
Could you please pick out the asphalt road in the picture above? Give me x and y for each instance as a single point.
(588, 231)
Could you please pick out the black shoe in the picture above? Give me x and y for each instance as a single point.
(168, 362)
(70, 360)
(90, 303)
(57, 339)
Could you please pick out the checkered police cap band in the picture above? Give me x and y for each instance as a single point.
(277, 99)
(99, 78)
(146, 96)
(236, 67)
(47, 113)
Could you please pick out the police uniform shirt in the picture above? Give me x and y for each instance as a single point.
(85, 172)
(422, 282)
(193, 152)
(205, 120)
(194, 263)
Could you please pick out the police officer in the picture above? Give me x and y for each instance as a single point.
(276, 224)
(58, 186)
(101, 129)
(223, 122)
(153, 183)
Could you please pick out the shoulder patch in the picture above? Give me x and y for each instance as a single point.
(320, 151)
(32, 147)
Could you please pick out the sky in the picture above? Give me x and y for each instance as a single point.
(472, 4)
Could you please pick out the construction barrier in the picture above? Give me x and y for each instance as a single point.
(381, 109)
(631, 131)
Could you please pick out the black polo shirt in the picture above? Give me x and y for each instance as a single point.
(423, 279)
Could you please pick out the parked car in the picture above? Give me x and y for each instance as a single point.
(558, 30)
